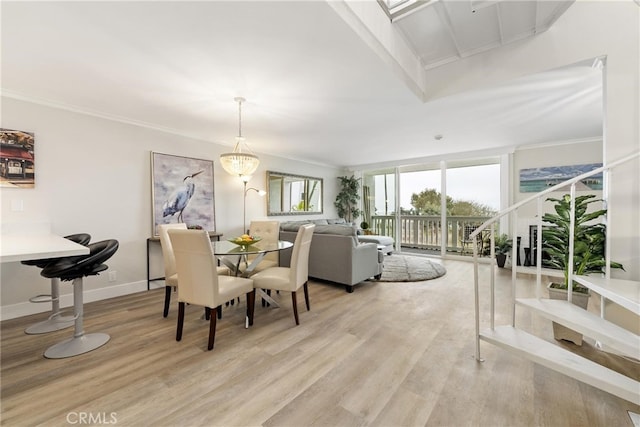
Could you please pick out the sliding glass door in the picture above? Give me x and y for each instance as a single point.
(379, 201)
(420, 209)
(474, 194)
(432, 208)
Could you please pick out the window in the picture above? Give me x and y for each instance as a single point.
(412, 211)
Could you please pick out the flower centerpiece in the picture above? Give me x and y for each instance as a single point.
(245, 240)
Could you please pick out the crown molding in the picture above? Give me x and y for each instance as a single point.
(101, 115)
(138, 123)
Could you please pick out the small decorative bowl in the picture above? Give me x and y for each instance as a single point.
(245, 242)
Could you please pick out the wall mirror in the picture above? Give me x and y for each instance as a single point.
(289, 194)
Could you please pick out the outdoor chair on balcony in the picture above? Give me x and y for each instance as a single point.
(467, 241)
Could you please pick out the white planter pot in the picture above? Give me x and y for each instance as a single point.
(561, 332)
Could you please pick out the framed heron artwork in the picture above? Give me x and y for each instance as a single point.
(182, 192)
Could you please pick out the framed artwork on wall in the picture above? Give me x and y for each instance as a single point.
(537, 179)
(17, 162)
(182, 192)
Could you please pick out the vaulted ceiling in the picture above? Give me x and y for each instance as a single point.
(440, 32)
(315, 90)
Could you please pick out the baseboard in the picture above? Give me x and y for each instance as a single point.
(27, 308)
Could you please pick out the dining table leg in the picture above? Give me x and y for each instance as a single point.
(234, 268)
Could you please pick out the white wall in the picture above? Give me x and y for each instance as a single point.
(588, 29)
(93, 175)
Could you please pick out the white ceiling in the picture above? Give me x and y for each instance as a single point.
(314, 90)
(440, 32)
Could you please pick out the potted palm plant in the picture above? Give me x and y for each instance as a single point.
(502, 246)
(588, 251)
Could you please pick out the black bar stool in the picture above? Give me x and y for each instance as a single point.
(56, 320)
(75, 268)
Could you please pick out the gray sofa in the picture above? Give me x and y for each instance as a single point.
(336, 254)
(385, 243)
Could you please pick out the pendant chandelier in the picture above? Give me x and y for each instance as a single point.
(241, 162)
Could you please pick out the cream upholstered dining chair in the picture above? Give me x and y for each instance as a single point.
(269, 232)
(200, 283)
(293, 277)
(170, 276)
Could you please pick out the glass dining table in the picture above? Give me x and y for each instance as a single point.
(233, 256)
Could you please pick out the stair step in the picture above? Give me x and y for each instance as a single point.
(553, 357)
(625, 293)
(549, 272)
(587, 323)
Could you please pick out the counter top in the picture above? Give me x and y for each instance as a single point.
(21, 247)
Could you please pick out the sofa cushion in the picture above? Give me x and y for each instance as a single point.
(342, 230)
(380, 240)
(337, 221)
(292, 225)
(339, 230)
(385, 243)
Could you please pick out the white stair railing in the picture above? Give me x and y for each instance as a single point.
(513, 212)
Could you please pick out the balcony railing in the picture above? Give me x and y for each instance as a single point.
(425, 231)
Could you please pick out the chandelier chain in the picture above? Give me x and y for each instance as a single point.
(240, 118)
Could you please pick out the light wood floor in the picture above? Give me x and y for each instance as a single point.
(389, 354)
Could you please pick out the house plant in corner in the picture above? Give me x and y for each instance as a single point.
(502, 246)
(588, 251)
(347, 199)
(364, 225)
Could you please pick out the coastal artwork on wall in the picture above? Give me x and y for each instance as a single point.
(17, 162)
(182, 192)
(537, 179)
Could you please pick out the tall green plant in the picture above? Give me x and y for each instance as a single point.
(502, 244)
(589, 239)
(347, 199)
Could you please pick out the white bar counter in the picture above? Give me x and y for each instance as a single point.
(18, 245)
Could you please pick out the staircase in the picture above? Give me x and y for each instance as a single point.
(624, 293)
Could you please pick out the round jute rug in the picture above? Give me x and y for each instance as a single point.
(406, 268)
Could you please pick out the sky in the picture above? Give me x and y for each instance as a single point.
(476, 183)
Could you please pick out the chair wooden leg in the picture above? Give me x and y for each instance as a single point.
(180, 321)
(294, 300)
(212, 332)
(251, 301)
(306, 295)
(219, 310)
(167, 300)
